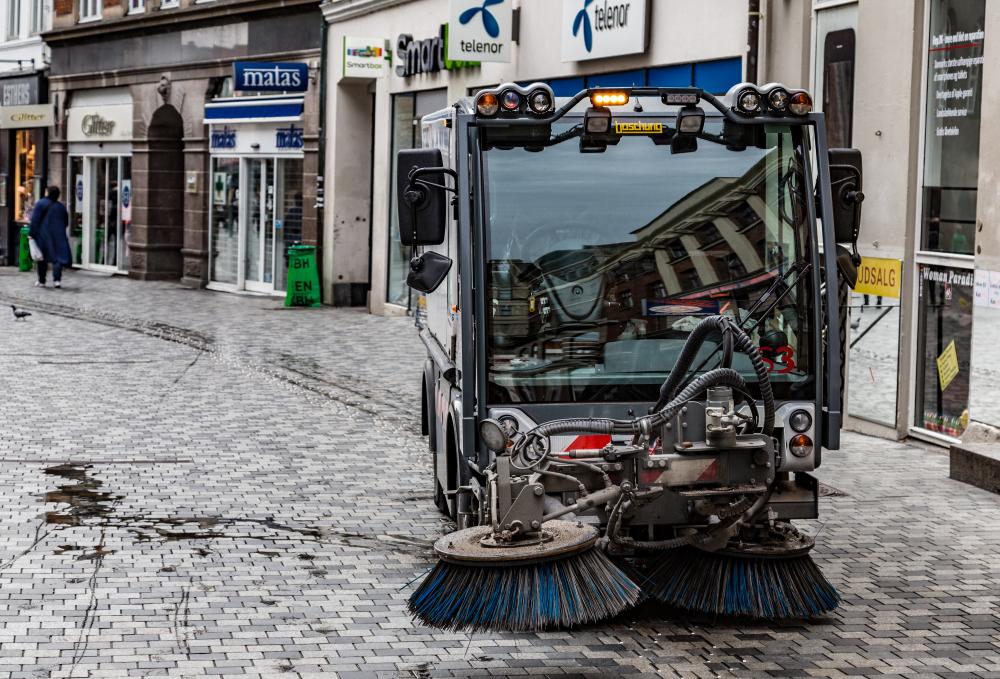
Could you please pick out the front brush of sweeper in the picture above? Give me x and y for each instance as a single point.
(557, 579)
(773, 577)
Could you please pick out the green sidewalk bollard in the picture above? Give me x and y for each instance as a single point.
(24, 261)
(303, 277)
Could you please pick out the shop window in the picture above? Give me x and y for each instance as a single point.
(944, 345)
(27, 173)
(224, 252)
(951, 130)
(13, 19)
(407, 110)
(90, 9)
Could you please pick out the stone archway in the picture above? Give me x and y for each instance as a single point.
(158, 179)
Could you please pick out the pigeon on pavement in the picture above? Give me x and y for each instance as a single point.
(19, 314)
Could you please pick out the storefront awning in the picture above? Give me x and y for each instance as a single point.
(254, 110)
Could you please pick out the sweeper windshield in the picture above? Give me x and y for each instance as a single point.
(600, 264)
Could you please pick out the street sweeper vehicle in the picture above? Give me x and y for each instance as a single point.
(632, 306)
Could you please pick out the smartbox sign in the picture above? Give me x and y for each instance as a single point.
(595, 29)
(267, 76)
(364, 57)
(480, 30)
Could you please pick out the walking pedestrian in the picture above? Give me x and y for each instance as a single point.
(49, 221)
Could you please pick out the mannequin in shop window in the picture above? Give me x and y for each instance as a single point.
(49, 222)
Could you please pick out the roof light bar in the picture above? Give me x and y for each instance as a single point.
(773, 99)
(512, 100)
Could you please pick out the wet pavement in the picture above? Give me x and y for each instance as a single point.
(202, 484)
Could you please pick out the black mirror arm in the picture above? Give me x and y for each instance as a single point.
(414, 177)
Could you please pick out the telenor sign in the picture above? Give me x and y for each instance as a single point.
(267, 76)
(480, 30)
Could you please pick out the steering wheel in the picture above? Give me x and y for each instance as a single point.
(565, 261)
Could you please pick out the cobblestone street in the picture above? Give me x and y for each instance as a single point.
(203, 484)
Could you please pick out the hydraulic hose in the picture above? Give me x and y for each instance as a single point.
(732, 337)
(642, 425)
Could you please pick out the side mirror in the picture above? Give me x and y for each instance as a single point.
(428, 271)
(845, 185)
(420, 196)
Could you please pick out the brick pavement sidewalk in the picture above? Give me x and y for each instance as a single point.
(199, 504)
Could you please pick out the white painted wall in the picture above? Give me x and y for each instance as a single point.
(23, 46)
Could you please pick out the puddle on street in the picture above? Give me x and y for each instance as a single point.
(83, 500)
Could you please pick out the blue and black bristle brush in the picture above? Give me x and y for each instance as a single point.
(520, 593)
(742, 585)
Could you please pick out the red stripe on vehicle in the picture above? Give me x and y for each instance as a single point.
(589, 442)
(711, 472)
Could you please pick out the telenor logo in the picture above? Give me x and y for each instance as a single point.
(490, 24)
(583, 20)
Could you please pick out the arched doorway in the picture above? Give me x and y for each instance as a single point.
(158, 231)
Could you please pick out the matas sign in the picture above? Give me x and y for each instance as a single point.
(266, 76)
(595, 29)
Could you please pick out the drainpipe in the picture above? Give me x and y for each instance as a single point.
(321, 170)
(753, 40)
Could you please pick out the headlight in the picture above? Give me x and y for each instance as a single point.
(487, 104)
(801, 446)
(800, 104)
(609, 98)
(510, 100)
(690, 120)
(540, 102)
(777, 99)
(748, 101)
(800, 421)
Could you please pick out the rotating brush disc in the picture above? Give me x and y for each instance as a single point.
(560, 581)
(747, 580)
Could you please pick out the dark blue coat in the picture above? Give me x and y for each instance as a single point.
(49, 221)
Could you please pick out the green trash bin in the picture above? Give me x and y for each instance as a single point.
(303, 277)
(24, 261)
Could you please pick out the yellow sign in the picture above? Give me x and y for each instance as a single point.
(638, 128)
(947, 365)
(882, 277)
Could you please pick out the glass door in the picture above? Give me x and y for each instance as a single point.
(102, 210)
(258, 247)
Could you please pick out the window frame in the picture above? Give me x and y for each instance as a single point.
(170, 4)
(136, 6)
(36, 20)
(95, 8)
(12, 30)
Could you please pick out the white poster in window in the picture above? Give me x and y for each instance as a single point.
(480, 30)
(78, 195)
(595, 29)
(127, 201)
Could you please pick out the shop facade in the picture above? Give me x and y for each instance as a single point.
(25, 116)
(194, 155)
(374, 105)
(920, 360)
